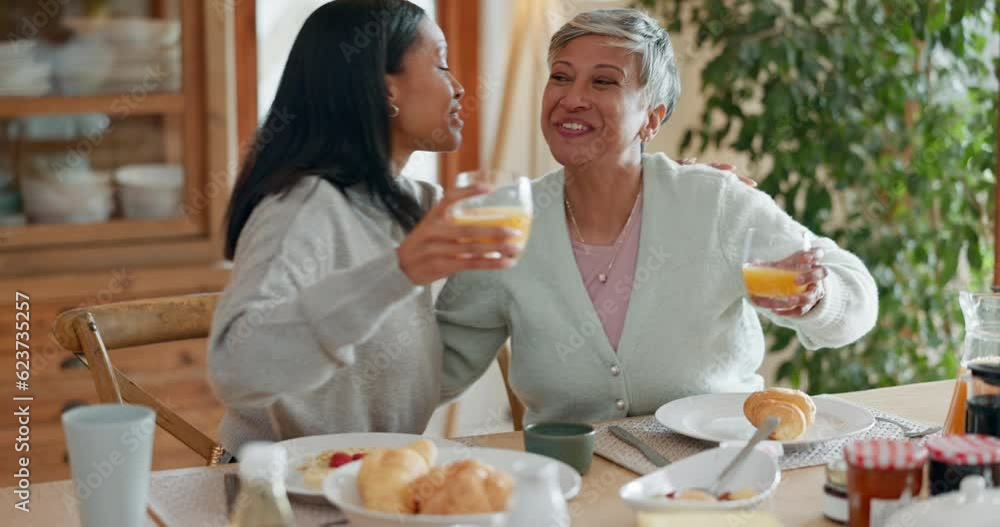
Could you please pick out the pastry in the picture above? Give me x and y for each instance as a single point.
(426, 448)
(385, 477)
(794, 408)
(463, 487)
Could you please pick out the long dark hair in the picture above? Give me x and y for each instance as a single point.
(330, 116)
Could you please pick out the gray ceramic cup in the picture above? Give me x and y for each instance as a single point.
(571, 443)
(110, 454)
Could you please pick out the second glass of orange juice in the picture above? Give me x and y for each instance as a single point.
(509, 205)
(766, 269)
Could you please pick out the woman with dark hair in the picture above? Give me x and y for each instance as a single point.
(328, 324)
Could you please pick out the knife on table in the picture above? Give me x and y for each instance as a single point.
(653, 456)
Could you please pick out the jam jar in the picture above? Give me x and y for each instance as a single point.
(954, 457)
(883, 475)
(835, 492)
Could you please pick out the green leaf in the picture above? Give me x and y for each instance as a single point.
(786, 370)
(938, 15)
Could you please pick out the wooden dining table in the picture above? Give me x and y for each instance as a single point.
(796, 503)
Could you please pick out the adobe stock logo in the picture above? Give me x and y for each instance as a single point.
(363, 35)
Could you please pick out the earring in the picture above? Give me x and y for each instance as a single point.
(393, 110)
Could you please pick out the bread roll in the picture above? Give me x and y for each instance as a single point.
(427, 449)
(794, 408)
(385, 477)
(463, 487)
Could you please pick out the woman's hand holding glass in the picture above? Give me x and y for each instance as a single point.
(439, 247)
(509, 205)
(783, 273)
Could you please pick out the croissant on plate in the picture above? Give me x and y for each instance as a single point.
(463, 487)
(386, 474)
(794, 408)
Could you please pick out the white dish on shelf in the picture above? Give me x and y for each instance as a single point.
(18, 50)
(150, 191)
(68, 201)
(27, 91)
(719, 417)
(134, 31)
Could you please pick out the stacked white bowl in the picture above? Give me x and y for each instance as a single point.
(21, 73)
(61, 189)
(81, 65)
(142, 53)
(151, 190)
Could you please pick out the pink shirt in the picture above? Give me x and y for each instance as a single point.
(611, 299)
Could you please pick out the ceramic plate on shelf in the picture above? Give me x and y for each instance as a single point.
(303, 452)
(719, 417)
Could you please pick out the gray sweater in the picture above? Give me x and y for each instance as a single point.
(319, 330)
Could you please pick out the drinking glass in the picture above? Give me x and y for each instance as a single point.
(509, 205)
(110, 455)
(769, 263)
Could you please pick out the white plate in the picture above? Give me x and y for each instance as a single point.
(340, 488)
(301, 449)
(719, 417)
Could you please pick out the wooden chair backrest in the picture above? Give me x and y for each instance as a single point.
(89, 332)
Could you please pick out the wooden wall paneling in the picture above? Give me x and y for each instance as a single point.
(223, 93)
(245, 19)
(459, 19)
(194, 55)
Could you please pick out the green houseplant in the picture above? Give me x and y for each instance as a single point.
(873, 122)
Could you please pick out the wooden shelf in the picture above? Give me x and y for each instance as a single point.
(117, 105)
(39, 235)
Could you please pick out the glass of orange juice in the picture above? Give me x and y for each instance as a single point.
(767, 268)
(509, 205)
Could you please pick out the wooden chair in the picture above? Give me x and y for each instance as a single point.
(89, 332)
(516, 408)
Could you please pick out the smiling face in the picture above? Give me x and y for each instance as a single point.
(427, 96)
(594, 107)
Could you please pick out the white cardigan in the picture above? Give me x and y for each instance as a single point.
(689, 328)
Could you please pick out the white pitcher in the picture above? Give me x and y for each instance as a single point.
(538, 501)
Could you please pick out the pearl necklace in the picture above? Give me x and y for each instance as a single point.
(603, 277)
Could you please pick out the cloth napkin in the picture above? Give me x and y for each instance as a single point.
(675, 446)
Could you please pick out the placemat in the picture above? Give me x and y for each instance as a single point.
(675, 446)
(197, 497)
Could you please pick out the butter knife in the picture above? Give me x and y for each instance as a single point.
(653, 456)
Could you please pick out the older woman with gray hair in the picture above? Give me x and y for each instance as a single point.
(630, 291)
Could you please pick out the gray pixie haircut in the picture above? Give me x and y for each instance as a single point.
(639, 33)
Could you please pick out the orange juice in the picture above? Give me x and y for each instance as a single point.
(512, 217)
(771, 282)
(954, 423)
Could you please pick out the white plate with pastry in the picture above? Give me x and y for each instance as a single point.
(733, 416)
(419, 484)
(310, 457)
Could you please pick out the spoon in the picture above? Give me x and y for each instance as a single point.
(765, 429)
